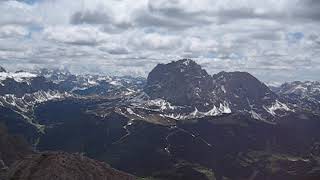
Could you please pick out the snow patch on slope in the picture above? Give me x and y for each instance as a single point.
(161, 104)
(257, 116)
(277, 106)
(223, 109)
(28, 101)
(18, 77)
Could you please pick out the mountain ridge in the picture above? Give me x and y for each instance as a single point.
(227, 125)
(184, 82)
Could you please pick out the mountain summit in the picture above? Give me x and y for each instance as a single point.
(2, 69)
(184, 82)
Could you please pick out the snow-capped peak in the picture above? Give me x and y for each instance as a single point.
(300, 88)
(17, 76)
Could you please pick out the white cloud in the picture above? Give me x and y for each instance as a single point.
(76, 35)
(156, 41)
(17, 13)
(276, 40)
(13, 31)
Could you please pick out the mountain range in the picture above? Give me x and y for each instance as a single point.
(178, 123)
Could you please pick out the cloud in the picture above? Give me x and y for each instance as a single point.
(172, 15)
(17, 13)
(276, 40)
(307, 10)
(75, 35)
(91, 17)
(114, 49)
(156, 41)
(13, 31)
(247, 13)
(268, 35)
(98, 17)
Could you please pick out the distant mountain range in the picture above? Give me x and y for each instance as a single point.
(305, 95)
(179, 123)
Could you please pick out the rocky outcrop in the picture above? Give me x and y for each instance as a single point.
(64, 166)
(185, 83)
(2, 69)
(19, 162)
(12, 148)
(243, 91)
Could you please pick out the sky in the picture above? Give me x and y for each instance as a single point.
(275, 40)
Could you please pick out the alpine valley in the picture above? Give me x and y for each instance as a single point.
(180, 123)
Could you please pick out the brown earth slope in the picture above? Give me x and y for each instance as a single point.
(19, 162)
(63, 166)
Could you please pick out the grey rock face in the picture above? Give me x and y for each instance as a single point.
(2, 69)
(184, 82)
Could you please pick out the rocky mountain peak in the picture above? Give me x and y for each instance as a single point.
(300, 88)
(181, 82)
(183, 67)
(184, 82)
(242, 86)
(303, 94)
(186, 64)
(2, 69)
